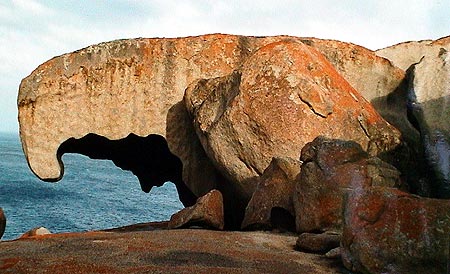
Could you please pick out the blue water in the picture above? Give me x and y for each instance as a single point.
(94, 194)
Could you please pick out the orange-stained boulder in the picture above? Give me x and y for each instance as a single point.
(390, 231)
(207, 212)
(331, 168)
(285, 95)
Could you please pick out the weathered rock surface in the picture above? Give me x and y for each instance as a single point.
(285, 95)
(207, 212)
(2, 222)
(430, 105)
(37, 231)
(318, 243)
(163, 251)
(389, 231)
(271, 205)
(136, 86)
(331, 168)
(406, 54)
(378, 81)
(429, 101)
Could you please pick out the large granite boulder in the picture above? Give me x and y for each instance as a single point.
(429, 102)
(390, 231)
(207, 212)
(271, 205)
(285, 95)
(331, 168)
(2, 222)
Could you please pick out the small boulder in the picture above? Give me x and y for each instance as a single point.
(273, 194)
(334, 253)
(37, 231)
(390, 231)
(2, 222)
(330, 168)
(207, 212)
(318, 243)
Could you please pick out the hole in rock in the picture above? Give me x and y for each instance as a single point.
(148, 158)
(282, 219)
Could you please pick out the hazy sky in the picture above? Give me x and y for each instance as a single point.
(33, 31)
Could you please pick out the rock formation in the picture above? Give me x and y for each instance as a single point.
(271, 205)
(37, 231)
(284, 96)
(318, 243)
(136, 86)
(207, 212)
(331, 168)
(389, 231)
(233, 113)
(2, 222)
(429, 101)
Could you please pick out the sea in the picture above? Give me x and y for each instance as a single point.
(93, 195)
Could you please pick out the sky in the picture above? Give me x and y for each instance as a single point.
(34, 31)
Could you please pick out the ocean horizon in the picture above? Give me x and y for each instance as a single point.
(92, 195)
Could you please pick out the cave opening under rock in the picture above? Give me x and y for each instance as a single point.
(148, 158)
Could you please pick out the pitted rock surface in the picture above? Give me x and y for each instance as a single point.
(161, 251)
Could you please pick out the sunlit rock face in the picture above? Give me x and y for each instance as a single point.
(136, 86)
(429, 102)
(285, 95)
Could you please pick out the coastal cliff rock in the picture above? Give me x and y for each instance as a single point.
(136, 86)
(271, 205)
(331, 168)
(207, 212)
(429, 102)
(2, 222)
(285, 95)
(390, 231)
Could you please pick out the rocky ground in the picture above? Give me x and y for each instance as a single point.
(162, 251)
